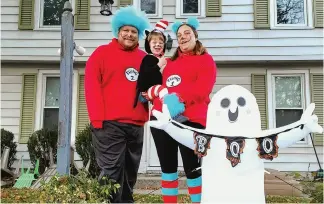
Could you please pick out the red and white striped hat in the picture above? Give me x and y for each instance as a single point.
(162, 25)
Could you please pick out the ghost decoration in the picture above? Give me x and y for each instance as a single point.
(233, 147)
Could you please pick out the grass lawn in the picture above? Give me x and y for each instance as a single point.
(186, 199)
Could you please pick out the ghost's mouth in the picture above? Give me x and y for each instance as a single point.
(233, 116)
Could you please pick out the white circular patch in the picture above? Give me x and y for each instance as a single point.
(173, 80)
(267, 142)
(234, 148)
(131, 74)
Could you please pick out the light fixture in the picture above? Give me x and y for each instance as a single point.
(79, 49)
(169, 43)
(106, 7)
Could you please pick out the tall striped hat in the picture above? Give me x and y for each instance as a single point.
(161, 25)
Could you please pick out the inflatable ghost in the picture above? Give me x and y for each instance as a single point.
(233, 145)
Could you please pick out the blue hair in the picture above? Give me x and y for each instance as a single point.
(192, 21)
(130, 16)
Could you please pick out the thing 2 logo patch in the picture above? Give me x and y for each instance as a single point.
(131, 74)
(173, 80)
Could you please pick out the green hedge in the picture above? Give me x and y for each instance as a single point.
(7, 140)
(80, 188)
(34, 196)
(85, 149)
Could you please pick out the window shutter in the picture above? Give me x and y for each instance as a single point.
(26, 15)
(82, 15)
(82, 117)
(317, 98)
(123, 3)
(318, 13)
(213, 8)
(259, 90)
(261, 14)
(27, 107)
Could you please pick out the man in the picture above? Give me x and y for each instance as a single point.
(110, 82)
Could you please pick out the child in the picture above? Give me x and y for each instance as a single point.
(149, 83)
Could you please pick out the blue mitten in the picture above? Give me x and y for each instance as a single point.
(175, 107)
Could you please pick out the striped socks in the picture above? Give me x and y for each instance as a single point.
(170, 187)
(194, 188)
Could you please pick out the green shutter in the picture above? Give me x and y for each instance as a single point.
(259, 90)
(82, 117)
(318, 13)
(82, 15)
(261, 14)
(316, 81)
(26, 15)
(27, 108)
(213, 8)
(123, 3)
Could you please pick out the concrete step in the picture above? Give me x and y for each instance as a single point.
(147, 183)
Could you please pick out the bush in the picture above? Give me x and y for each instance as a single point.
(7, 140)
(84, 147)
(39, 147)
(63, 189)
(314, 189)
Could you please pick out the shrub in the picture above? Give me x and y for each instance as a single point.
(84, 147)
(314, 189)
(39, 145)
(63, 189)
(7, 140)
(77, 189)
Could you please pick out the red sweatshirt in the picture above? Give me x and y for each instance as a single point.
(192, 77)
(110, 83)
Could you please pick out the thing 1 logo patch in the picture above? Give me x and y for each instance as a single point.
(173, 80)
(131, 74)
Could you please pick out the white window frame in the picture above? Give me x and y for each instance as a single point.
(201, 10)
(271, 97)
(308, 9)
(159, 8)
(40, 95)
(38, 15)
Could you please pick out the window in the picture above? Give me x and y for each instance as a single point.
(288, 97)
(185, 8)
(48, 99)
(50, 12)
(51, 102)
(153, 8)
(291, 13)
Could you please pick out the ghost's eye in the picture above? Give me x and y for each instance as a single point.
(241, 101)
(225, 103)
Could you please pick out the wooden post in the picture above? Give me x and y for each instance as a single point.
(66, 78)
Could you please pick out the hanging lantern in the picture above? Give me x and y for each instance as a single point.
(106, 7)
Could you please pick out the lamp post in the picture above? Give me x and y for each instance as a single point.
(66, 81)
(106, 7)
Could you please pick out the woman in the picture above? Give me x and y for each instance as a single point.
(191, 75)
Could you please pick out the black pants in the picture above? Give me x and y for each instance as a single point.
(118, 149)
(167, 150)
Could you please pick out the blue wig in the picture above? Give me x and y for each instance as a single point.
(192, 21)
(130, 16)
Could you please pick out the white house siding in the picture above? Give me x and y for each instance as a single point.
(231, 37)
(290, 159)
